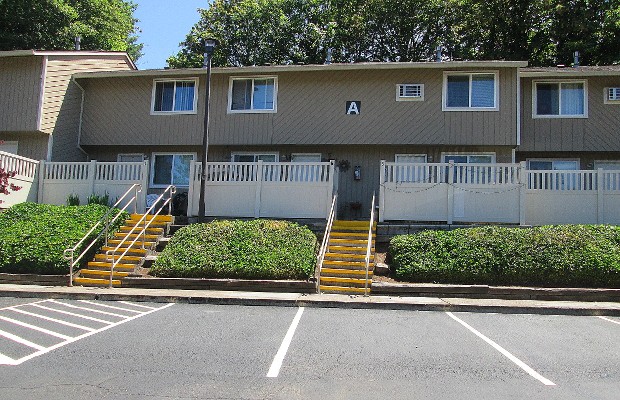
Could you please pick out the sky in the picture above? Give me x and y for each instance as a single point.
(164, 24)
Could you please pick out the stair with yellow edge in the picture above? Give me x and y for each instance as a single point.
(97, 272)
(344, 266)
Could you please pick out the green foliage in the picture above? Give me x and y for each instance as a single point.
(53, 25)
(73, 200)
(569, 255)
(544, 32)
(34, 236)
(257, 249)
(103, 199)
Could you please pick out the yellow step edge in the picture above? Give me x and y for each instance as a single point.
(340, 262)
(352, 234)
(349, 248)
(95, 281)
(335, 279)
(346, 271)
(347, 255)
(343, 289)
(137, 244)
(134, 235)
(104, 264)
(121, 274)
(133, 258)
(351, 241)
(161, 218)
(342, 222)
(122, 249)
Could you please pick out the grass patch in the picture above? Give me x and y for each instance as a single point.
(34, 236)
(567, 255)
(256, 249)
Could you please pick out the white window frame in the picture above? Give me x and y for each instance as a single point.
(409, 98)
(9, 146)
(608, 162)
(608, 99)
(172, 112)
(468, 154)
(444, 101)
(316, 155)
(559, 82)
(171, 153)
(119, 155)
(410, 155)
(252, 110)
(255, 154)
(552, 160)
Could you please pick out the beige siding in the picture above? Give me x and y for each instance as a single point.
(20, 86)
(598, 132)
(311, 111)
(62, 100)
(29, 144)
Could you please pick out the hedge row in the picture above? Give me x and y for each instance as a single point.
(33, 236)
(256, 249)
(569, 255)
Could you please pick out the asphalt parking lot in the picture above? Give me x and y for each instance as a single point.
(183, 351)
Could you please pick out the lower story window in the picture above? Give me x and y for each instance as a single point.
(254, 157)
(553, 165)
(469, 158)
(8, 147)
(171, 169)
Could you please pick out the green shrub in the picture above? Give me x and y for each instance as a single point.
(569, 255)
(73, 200)
(103, 199)
(256, 249)
(34, 236)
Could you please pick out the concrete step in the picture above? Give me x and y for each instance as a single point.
(342, 222)
(149, 230)
(349, 249)
(95, 282)
(342, 290)
(344, 282)
(138, 244)
(351, 235)
(125, 259)
(154, 224)
(133, 251)
(104, 265)
(158, 218)
(348, 264)
(97, 273)
(346, 273)
(148, 237)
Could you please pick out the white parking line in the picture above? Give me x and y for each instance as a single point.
(274, 370)
(5, 360)
(35, 328)
(137, 305)
(73, 314)
(58, 321)
(610, 320)
(505, 352)
(111, 307)
(89, 309)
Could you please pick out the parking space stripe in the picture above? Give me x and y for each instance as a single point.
(25, 304)
(73, 314)
(274, 370)
(110, 307)
(20, 340)
(89, 309)
(610, 320)
(35, 328)
(138, 305)
(58, 321)
(505, 352)
(43, 350)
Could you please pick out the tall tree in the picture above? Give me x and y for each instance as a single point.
(54, 24)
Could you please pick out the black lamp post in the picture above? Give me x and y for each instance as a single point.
(210, 45)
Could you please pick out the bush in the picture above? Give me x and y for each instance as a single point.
(569, 255)
(257, 249)
(34, 236)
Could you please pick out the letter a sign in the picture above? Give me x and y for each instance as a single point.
(354, 107)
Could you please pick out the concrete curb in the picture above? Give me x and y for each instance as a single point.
(315, 300)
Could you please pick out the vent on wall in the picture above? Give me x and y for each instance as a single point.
(409, 91)
(613, 94)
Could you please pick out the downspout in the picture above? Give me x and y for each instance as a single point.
(81, 116)
(50, 138)
(514, 151)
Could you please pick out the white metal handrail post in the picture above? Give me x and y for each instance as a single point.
(323, 249)
(368, 247)
(69, 254)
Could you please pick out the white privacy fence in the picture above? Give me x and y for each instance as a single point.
(58, 180)
(501, 193)
(263, 189)
(25, 177)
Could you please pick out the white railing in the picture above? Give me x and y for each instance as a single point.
(263, 189)
(139, 230)
(562, 180)
(611, 180)
(104, 223)
(369, 246)
(475, 174)
(328, 230)
(22, 166)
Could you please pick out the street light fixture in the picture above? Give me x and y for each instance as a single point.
(210, 45)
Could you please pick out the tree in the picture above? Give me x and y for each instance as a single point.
(54, 24)
(544, 32)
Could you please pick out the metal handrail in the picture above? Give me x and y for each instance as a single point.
(323, 249)
(111, 254)
(367, 259)
(69, 254)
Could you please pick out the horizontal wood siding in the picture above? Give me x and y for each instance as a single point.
(29, 144)
(310, 111)
(598, 132)
(20, 88)
(62, 100)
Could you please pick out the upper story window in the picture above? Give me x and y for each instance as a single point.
(477, 91)
(612, 95)
(558, 99)
(253, 95)
(409, 92)
(174, 96)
